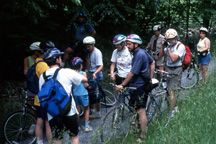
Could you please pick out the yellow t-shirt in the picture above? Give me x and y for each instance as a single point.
(41, 67)
(201, 44)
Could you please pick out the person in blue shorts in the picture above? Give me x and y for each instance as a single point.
(80, 92)
(203, 47)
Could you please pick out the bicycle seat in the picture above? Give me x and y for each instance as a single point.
(155, 83)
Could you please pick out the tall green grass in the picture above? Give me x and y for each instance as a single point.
(195, 124)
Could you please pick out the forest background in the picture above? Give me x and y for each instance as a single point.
(23, 22)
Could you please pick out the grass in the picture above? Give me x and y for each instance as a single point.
(194, 124)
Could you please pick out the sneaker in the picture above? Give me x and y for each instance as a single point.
(95, 116)
(88, 129)
(31, 129)
(172, 114)
(176, 110)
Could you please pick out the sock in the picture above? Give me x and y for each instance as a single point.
(86, 124)
(93, 110)
(40, 142)
(99, 112)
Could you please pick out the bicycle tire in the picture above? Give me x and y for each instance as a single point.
(152, 109)
(115, 125)
(110, 99)
(159, 106)
(13, 131)
(190, 77)
(82, 111)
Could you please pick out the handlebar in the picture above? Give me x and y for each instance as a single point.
(124, 88)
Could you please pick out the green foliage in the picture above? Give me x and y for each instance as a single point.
(27, 21)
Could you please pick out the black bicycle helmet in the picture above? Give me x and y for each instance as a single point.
(47, 45)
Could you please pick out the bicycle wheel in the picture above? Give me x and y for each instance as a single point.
(16, 127)
(190, 77)
(82, 111)
(158, 106)
(110, 98)
(153, 108)
(115, 124)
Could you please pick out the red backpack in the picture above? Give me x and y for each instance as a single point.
(187, 57)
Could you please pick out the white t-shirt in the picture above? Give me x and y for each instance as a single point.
(123, 60)
(95, 60)
(180, 52)
(67, 78)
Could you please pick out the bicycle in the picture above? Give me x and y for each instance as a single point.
(191, 75)
(158, 99)
(17, 124)
(109, 102)
(117, 121)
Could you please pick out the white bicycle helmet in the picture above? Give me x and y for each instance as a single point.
(35, 46)
(204, 29)
(171, 33)
(88, 40)
(134, 38)
(156, 28)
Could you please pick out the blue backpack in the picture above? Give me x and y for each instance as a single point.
(94, 88)
(32, 78)
(53, 96)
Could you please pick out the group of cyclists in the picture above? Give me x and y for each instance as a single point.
(134, 67)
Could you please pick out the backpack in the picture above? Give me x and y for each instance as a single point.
(94, 88)
(187, 57)
(53, 96)
(32, 78)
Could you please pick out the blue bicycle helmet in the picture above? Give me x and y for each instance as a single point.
(134, 38)
(76, 61)
(52, 53)
(119, 39)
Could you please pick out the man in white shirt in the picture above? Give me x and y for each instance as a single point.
(67, 78)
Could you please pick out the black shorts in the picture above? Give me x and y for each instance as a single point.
(119, 80)
(41, 112)
(65, 123)
(93, 98)
(138, 98)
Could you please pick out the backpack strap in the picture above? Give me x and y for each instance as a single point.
(56, 72)
(178, 45)
(45, 77)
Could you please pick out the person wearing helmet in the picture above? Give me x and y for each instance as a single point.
(80, 92)
(41, 67)
(139, 76)
(28, 62)
(121, 58)
(80, 30)
(204, 56)
(175, 52)
(68, 78)
(155, 45)
(95, 72)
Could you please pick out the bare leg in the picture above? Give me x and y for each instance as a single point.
(98, 106)
(204, 73)
(39, 129)
(48, 131)
(173, 99)
(86, 114)
(75, 140)
(143, 122)
(78, 108)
